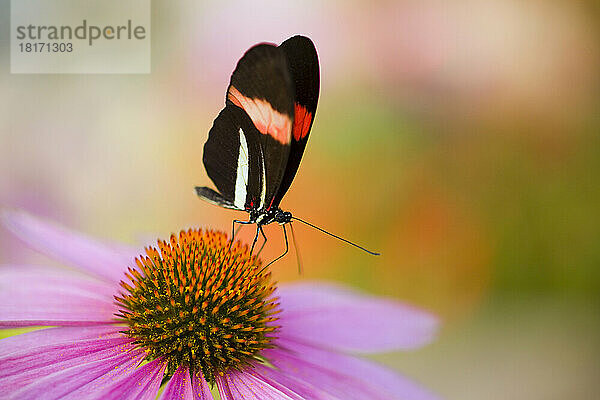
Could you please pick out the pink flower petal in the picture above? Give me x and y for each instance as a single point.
(75, 249)
(304, 389)
(340, 375)
(200, 388)
(62, 361)
(32, 296)
(236, 385)
(42, 360)
(181, 387)
(84, 381)
(337, 317)
(53, 336)
(141, 384)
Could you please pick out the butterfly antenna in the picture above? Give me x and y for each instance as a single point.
(336, 236)
(298, 256)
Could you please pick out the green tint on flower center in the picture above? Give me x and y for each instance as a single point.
(197, 302)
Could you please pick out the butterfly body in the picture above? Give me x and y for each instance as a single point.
(267, 217)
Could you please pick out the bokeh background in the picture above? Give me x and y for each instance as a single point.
(459, 138)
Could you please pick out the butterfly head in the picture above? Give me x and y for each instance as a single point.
(283, 217)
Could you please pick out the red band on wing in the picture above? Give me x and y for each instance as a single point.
(302, 120)
(265, 118)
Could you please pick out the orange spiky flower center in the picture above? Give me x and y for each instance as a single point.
(200, 302)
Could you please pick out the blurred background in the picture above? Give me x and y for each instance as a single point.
(459, 138)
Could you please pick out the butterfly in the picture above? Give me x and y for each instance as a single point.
(256, 142)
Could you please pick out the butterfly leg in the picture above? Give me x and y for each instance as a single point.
(262, 232)
(298, 256)
(234, 231)
(286, 248)
(255, 238)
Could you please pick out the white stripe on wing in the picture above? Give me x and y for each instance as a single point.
(241, 180)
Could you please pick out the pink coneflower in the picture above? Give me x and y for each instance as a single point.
(192, 313)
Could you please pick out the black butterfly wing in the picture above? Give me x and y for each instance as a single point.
(303, 64)
(261, 85)
(214, 197)
(232, 159)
